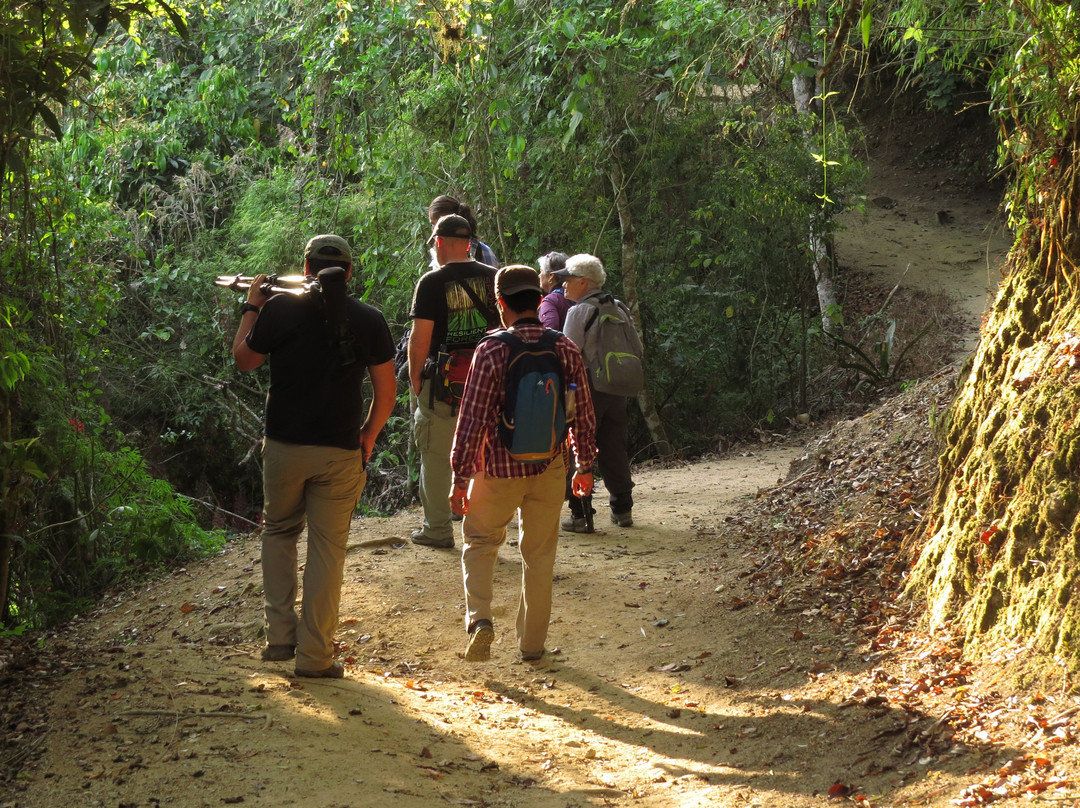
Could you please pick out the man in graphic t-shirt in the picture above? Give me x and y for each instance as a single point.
(453, 307)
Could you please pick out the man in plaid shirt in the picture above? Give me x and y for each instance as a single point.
(502, 485)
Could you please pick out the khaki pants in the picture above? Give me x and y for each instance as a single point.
(433, 430)
(491, 506)
(323, 484)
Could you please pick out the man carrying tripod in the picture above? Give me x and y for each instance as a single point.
(321, 345)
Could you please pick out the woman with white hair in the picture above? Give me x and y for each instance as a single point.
(553, 307)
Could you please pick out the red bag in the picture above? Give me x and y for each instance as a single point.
(451, 370)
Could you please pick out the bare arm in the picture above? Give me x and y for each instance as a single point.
(419, 347)
(384, 384)
(243, 356)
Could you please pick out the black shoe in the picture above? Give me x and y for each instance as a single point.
(278, 653)
(335, 671)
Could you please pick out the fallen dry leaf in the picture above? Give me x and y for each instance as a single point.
(838, 790)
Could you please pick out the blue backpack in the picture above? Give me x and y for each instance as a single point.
(533, 424)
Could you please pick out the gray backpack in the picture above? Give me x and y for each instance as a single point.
(616, 367)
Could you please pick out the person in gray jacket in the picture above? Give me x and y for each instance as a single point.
(583, 281)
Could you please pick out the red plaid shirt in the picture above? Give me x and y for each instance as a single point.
(476, 438)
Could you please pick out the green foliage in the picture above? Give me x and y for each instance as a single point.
(881, 363)
(1028, 56)
(729, 298)
(45, 49)
(392, 472)
(83, 509)
(15, 345)
(223, 151)
(114, 521)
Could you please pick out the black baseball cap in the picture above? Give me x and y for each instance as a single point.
(452, 226)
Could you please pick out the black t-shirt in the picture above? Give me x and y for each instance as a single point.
(440, 297)
(315, 397)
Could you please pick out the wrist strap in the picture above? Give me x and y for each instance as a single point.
(248, 307)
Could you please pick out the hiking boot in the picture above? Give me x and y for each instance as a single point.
(576, 524)
(422, 538)
(622, 519)
(480, 639)
(335, 671)
(278, 653)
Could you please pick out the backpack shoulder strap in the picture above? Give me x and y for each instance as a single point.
(480, 305)
(507, 337)
(596, 303)
(549, 338)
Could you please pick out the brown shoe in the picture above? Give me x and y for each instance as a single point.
(335, 671)
(575, 524)
(423, 539)
(480, 640)
(278, 653)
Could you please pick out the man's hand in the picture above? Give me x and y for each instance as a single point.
(459, 499)
(582, 484)
(255, 295)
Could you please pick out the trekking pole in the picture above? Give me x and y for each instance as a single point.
(586, 504)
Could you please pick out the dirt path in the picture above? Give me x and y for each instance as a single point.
(921, 233)
(930, 222)
(667, 684)
(173, 705)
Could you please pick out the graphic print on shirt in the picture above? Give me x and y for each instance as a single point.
(465, 326)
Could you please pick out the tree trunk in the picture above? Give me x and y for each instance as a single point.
(7, 505)
(1002, 545)
(805, 88)
(5, 571)
(629, 275)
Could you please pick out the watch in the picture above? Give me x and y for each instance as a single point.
(248, 307)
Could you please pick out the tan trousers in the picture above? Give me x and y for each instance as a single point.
(491, 506)
(433, 431)
(322, 484)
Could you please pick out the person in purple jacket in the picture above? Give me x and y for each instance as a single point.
(553, 307)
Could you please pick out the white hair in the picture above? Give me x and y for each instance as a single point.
(587, 266)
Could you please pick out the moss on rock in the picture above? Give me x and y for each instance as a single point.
(1003, 557)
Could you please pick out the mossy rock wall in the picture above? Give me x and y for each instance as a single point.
(1002, 546)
